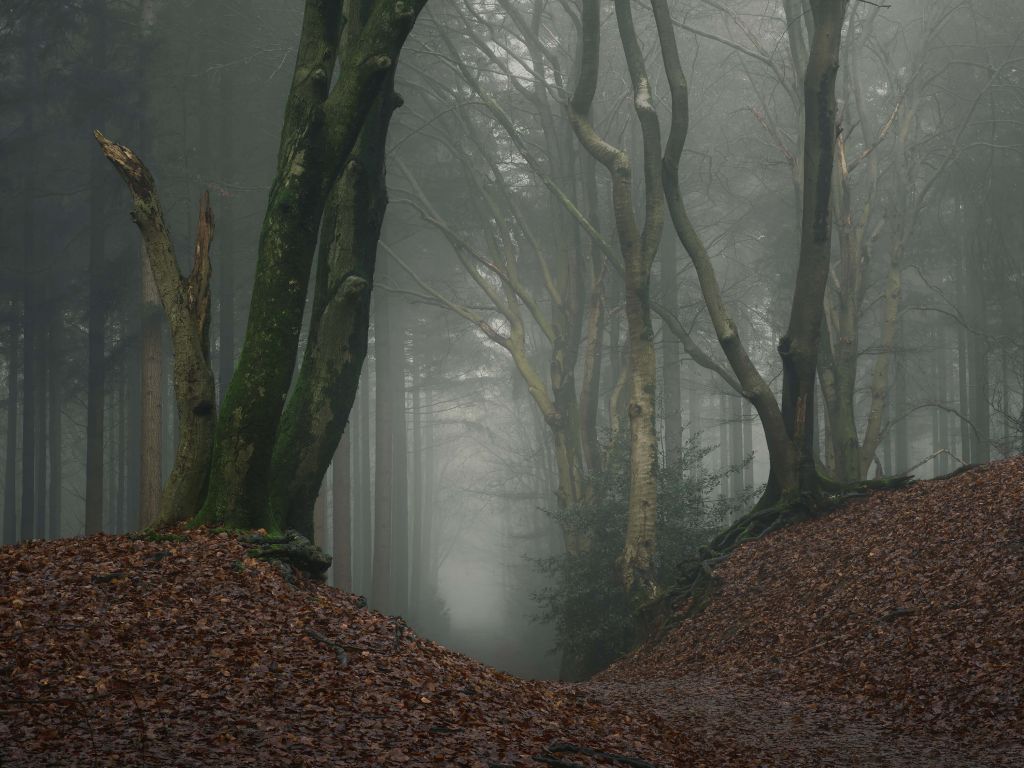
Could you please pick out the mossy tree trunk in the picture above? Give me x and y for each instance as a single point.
(321, 128)
(325, 389)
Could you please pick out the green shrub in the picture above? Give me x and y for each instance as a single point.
(593, 618)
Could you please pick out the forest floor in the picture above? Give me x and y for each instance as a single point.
(889, 633)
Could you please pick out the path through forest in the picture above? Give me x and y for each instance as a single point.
(889, 633)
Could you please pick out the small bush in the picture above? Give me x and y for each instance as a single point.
(593, 618)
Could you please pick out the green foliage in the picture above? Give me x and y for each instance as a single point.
(595, 623)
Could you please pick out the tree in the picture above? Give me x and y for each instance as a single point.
(788, 425)
(327, 147)
(638, 246)
(323, 123)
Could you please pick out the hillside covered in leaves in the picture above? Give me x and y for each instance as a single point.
(890, 632)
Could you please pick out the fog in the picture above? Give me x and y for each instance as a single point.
(496, 408)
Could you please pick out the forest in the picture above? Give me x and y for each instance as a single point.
(596, 341)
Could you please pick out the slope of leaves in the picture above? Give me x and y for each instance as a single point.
(902, 613)
(124, 652)
(889, 633)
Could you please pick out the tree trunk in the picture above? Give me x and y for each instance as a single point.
(799, 347)
(151, 405)
(55, 426)
(10, 527)
(325, 388)
(226, 228)
(399, 462)
(638, 247)
(900, 411)
(383, 485)
(364, 519)
(96, 317)
(186, 302)
(416, 508)
(341, 502)
(751, 384)
(321, 127)
(672, 393)
(29, 409)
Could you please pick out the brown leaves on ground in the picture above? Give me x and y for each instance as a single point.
(893, 627)
(121, 652)
(888, 633)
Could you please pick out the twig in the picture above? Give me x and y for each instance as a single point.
(338, 650)
(560, 746)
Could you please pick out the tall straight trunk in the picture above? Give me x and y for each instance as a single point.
(151, 375)
(694, 406)
(900, 411)
(29, 410)
(55, 425)
(416, 507)
(671, 393)
(96, 317)
(798, 348)
(364, 519)
(429, 591)
(942, 380)
(963, 395)
(384, 451)
(400, 500)
(42, 401)
(10, 526)
(30, 321)
(226, 238)
(341, 503)
(121, 454)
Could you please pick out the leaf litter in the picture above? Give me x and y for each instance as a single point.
(890, 632)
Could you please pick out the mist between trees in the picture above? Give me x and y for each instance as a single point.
(743, 255)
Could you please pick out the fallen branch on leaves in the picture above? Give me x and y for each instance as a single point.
(560, 747)
(339, 650)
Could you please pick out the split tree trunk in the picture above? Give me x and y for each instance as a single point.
(321, 126)
(186, 302)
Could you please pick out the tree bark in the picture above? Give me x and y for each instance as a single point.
(10, 526)
(752, 385)
(321, 127)
(325, 388)
(638, 247)
(798, 348)
(672, 394)
(55, 425)
(341, 503)
(383, 485)
(186, 303)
